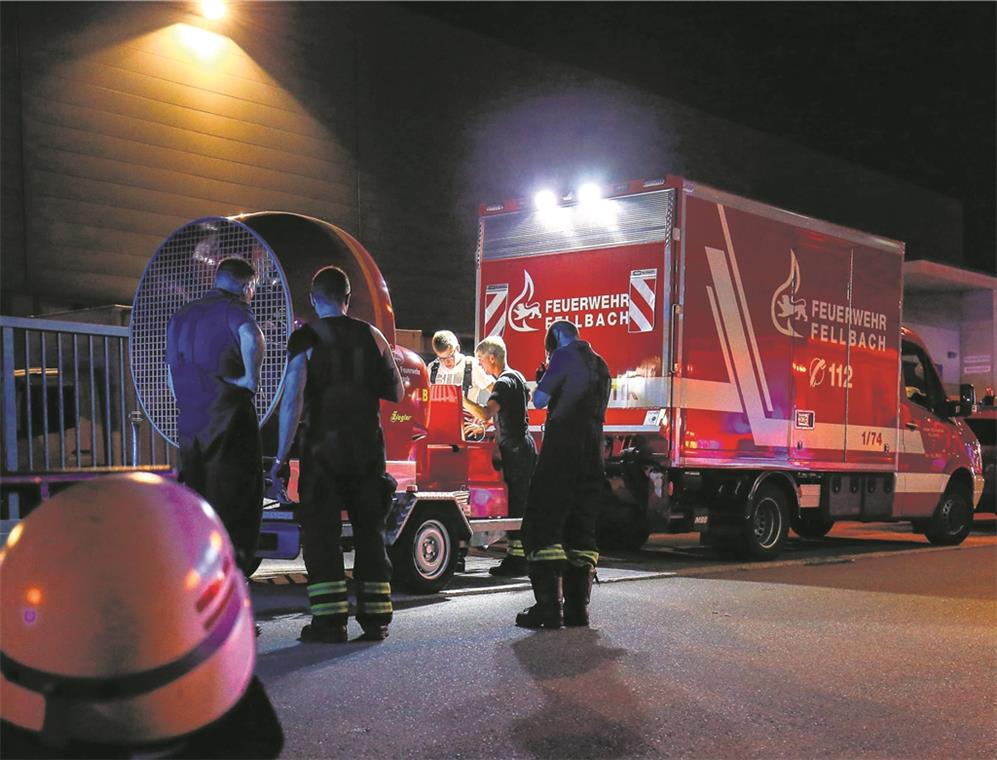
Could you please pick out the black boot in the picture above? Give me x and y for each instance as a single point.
(324, 630)
(546, 613)
(510, 567)
(577, 591)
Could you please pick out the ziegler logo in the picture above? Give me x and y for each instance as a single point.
(785, 307)
(521, 309)
(396, 417)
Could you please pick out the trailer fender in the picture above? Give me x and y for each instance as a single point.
(404, 505)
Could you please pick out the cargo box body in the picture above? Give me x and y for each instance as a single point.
(737, 334)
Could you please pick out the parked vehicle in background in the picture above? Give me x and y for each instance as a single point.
(761, 376)
(983, 423)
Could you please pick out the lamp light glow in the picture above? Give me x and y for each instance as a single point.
(545, 200)
(590, 192)
(213, 9)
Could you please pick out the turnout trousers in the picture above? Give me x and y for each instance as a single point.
(227, 470)
(519, 459)
(564, 496)
(366, 495)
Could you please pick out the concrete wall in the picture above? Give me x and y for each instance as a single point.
(386, 123)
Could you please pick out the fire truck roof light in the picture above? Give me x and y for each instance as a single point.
(545, 200)
(589, 193)
(654, 183)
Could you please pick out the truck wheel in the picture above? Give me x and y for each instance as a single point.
(764, 532)
(952, 521)
(621, 527)
(426, 554)
(811, 527)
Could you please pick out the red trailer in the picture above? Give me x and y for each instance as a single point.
(761, 377)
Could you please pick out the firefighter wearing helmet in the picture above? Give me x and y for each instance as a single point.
(559, 524)
(127, 629)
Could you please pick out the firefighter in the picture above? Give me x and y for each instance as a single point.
(214, 351)
(338, 369)
(451, 367)
(517, 453)
(128, 630)
(559, 525)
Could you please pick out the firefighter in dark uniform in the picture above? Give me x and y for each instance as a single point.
(338, 370)
(559, 525)
(214, 351)
(516, 449)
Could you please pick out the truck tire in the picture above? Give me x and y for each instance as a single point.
(811, 527)
(427, 552)
(621, 527)
(952, 521)
(764, 531)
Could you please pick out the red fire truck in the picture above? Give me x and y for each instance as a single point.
(761, 376)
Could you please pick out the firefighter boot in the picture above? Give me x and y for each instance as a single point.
(324, 629)
(546, 613)
(577, 591)
(510, 567)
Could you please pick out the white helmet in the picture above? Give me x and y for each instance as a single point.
(124, 616)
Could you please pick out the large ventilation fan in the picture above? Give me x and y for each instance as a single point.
(182, 270)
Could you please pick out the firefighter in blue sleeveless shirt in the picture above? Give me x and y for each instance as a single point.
(214, 352)
(339, 368)
(559, 524)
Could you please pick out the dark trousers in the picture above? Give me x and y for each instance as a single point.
(366, 495)
(564, 496)
(227, 470)
(519, 459)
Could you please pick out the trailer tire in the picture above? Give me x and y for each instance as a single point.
(811, 527)
(766, 524)
(952, 521)
(426, 554)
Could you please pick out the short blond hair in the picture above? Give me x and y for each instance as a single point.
(444, 339)
(493, 346)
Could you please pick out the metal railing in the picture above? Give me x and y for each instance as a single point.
(68, 400)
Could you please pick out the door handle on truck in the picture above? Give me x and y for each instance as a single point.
(911, 425)
(673, 331)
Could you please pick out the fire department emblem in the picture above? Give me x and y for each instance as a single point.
(785, 307)
(522, 309)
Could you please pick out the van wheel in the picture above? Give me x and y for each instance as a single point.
(426, 554)
(811, 527)
(763, 533)
(952, 521)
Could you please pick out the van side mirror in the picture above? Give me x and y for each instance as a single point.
(967, 400)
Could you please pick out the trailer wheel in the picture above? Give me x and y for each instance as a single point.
(952, 521)
(811, 527)
(427, 552)
(764, 531)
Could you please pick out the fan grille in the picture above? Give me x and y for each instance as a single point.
(181, 271)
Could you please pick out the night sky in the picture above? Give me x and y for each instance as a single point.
(907, 89)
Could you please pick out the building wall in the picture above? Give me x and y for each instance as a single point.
(370, 116)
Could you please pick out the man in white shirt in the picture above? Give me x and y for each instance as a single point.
(451, 367)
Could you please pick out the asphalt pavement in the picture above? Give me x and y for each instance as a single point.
(848, 647)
